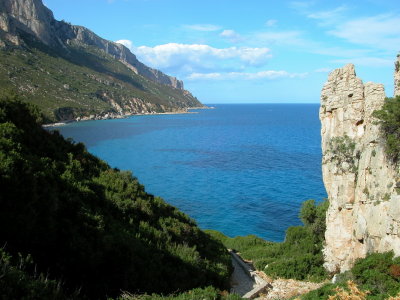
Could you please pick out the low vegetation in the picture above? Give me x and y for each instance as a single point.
(208, 293)
(88, 225)
(389, 119)
(342, 150)
(376, 277)
(17, 281)
(298, 257)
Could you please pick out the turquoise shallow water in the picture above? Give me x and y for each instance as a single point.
(241, 168)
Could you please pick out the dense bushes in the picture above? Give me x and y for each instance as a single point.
(389, 119)
(208, 293)
(378, 273)
(17, 283)
(298, 257)
(92, 226)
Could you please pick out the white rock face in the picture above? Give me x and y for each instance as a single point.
(364, 210)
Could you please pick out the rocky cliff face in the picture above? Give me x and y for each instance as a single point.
(33, 17)
(364, 211)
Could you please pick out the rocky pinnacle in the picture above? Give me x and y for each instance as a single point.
(364, 208)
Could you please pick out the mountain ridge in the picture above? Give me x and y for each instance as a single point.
(34, 17)
(73, 74)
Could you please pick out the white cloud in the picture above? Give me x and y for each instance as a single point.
(203, 27)
(188, 58)
(380, 32)
(231, 35)
(127, 43)
(267, 75)
(328, 17)
(271, 23)
(366, 61)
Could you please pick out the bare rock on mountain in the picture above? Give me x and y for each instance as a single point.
(33, 17)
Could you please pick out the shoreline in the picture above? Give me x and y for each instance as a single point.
(115, 116)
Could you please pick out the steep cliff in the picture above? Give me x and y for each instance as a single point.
(364, 210)
(33, 17)
(71, 73)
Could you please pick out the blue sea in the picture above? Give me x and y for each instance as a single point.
(239, 168)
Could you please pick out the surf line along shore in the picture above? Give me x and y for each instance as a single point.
(110, 116)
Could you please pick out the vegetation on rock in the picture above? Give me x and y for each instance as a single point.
(298, 257)
(91, 226)
(389, 119)
(341, 150)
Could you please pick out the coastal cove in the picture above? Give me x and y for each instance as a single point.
(240, 169)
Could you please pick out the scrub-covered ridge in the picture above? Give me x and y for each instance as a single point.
(91, 227)
(71, 73)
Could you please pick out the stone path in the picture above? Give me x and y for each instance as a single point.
(249, 283)
(245, 281)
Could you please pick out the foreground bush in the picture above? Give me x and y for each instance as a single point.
(90, 225)
(17, 283)
(208, 293)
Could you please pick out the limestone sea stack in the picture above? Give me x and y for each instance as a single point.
(361, 182)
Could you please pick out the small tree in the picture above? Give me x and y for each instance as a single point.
(308, 212)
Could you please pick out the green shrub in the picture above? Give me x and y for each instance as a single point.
(378, 273)
(322, 293)
(17, 283)
(389, 119)
(208, 293)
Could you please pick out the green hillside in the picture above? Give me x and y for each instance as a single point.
(81, 80)
(89, 226)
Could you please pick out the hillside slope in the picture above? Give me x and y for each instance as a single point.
(70, 72)
(90, 226)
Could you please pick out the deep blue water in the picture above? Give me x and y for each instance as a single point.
(241, 168)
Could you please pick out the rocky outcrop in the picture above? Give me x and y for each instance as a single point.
(364, 210)
(397, 76)
(33, 17)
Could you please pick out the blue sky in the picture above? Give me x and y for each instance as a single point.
(249, 51)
